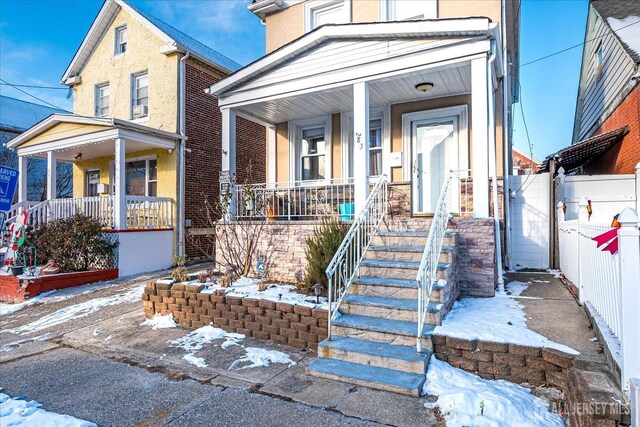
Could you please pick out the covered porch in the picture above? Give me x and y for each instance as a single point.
(123, 173)
(348, 105)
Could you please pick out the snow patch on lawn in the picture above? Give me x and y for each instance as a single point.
(6, 309)
(80, 310)
(246, 287)
(18, 412)
(465, 399)
(612, 342)
(260, 357)
(498, 319)
(194, 360)
(197, 339)
(159, 321)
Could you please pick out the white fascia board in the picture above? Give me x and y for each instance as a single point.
(53, 120)
(253, 118)
(104, 10)
(263, 8)
(386, 68)
(144, 21)
(441, 27)
(125, 124)
(146, 138)
(67, 143)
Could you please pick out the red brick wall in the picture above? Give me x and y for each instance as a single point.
(622, 157)
(203, 162)
(523, 163)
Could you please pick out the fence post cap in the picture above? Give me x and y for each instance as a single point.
(628, 216)
(560, 205)
(561, 170)
(583, 202)
(638, 168)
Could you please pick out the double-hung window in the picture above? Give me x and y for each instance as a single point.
(321, 12)
(313, 153)
(141, 177)
(140, 96)
(375, 147)
(407, 10)
(121, 40)
(102, 100)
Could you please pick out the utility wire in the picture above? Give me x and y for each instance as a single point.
(35, 86)
(33, 96)
(574, 46)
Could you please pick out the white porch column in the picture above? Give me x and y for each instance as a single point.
(629, 251)
(120, 203)
(272, 153)
(480, 137)
(360, 145)
(229, 151)
(52, 182)
(22, 178)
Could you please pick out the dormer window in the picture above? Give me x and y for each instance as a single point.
(321, 12)
(121, 40)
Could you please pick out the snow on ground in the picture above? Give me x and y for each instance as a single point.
(260, 357)
(12, 308)
(194, 360)
(465, 399)
(498, 319)
(79, 310)
(196, 340)
(18, 412)
(160, 322)
(613, 343)
(247, 287)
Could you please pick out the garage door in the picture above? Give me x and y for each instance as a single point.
(530, 221)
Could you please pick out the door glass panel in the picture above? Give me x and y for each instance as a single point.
(93, 179)
(375, 147)
(313, 154)
(135, 178)
(431, 144)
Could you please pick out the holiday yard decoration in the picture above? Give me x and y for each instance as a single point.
(610, 238)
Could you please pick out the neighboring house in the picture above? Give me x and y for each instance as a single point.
(367, 102)
(609, 92)
(139, 92)
(16, 116)
(524, 163)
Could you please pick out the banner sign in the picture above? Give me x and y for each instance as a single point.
(8, 183)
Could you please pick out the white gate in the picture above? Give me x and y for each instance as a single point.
(530, 221)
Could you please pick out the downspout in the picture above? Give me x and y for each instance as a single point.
(181, 154)
(492, 163)
(506, 152)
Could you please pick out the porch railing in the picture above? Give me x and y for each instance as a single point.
(346, 262)
(428, 270)
(294, 199)
(149, 212)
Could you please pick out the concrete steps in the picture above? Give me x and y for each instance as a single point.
(374, 335)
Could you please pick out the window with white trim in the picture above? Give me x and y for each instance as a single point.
(408, 10)
(121, 38)
(321, 12)
(375, 147)
(102, 100)
(141, 177)
(140, 96)
(312, 153)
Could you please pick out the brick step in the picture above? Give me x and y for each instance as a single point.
(406, 253)
(373, 353)
(409, 238)
(368, 376)
(389, 308)
(400, 269)
(397, 332)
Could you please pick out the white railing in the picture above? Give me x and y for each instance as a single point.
(294, 199)
(610, 283)
(346, 261)
(149, 212)
(428, 270)
(99, 208)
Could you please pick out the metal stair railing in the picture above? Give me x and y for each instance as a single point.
(346, 262)
(428, 270)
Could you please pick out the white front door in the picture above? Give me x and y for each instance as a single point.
(435, 153)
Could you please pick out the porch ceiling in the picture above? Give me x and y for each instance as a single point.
(448, 81)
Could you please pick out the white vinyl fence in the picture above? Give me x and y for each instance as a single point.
(610, 283)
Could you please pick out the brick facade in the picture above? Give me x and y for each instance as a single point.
(623, 157)
(294, 325)
(204, 160)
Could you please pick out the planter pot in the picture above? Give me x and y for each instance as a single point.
(16, 271)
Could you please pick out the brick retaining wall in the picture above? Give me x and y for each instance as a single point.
(476, 271)
(294, 325)
(511, 362)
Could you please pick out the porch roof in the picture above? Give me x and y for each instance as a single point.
(65, 134)
(392, 56)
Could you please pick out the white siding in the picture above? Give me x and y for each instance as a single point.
(598, 95)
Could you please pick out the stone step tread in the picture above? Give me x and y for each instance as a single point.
(376, 324)
(386, 281)
(375, 348)
(386, 302)
(412, 265)
(405, 248)
(372, 374)
(411, 233)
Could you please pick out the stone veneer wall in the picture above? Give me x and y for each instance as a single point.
(283, 323)
(511, 362)
(476, 271)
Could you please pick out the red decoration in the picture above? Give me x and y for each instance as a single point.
(609, 237)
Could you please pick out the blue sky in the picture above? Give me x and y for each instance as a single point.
(38, 38)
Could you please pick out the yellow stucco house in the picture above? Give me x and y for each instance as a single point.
(139, 133)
